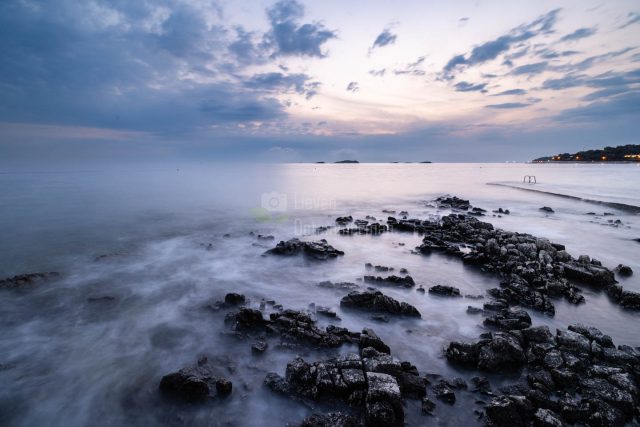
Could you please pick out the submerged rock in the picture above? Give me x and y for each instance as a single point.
(546, 209)
(405, 282)
(378, 302)
(624, 270)
(196, 383)
(25, 280)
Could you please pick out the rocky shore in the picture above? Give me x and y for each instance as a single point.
(573, 376)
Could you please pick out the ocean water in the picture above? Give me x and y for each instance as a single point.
(164, 242)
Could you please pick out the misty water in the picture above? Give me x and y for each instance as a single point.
(164, 242)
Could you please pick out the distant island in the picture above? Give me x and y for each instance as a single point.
(347, 161)
(622, 153)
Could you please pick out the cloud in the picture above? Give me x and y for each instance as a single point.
(353, 87)
(462, 21)
(632, 18)
(552, 54)
(300, 83)
(385, 38)
(511, 92)
(530, 69)
(578, 34)
(470, 87)
(378, 73)
(508, 105)
(411, 68)
(492, 49)
(625, 105)
(608, 84)
(288, 37)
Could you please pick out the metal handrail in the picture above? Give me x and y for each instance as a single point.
(531, 179)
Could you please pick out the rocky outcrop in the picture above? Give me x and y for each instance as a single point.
(319, 250)
(403, 282)
(376, 301)
(196, 383)
(373, 383)
(576, 376)
(447, 291)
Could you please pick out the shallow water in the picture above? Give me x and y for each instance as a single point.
(69, 360)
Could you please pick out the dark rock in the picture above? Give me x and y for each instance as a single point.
(546, 209)
(383, 401)
(377, 301)
(405, 282)
(319, 250)
(344, 220)
(474, 310)
(443, 391)
(546, 418)
(368, 338)
(510, 411)
(339, 285)
(332, 419)
(427, 406)
(497, 353)
(259, 347)
(448, 291)
(195, 383)
(248, 318)
(27, 280)
(234, 299)
(509, 319)
(624, 270)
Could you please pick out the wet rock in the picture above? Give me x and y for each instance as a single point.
(624, 270)
(509, 319)
(498, 352)
(27, 280)
(383, 401)
(259, 347)
(546, 418)
(481, 385)
(332, 419)
(326, 311)
(443, 391)
(338, 285)
(453, 202)
(234, 299)
(344, 220)
(319, 250)
(405, 282)
(510, 411)
(377, 301)
(448, 291)
(264, 237)
(427, 406)
(195, 383)
(295, 326)
(247, 319)
(546, 209)
(474, 310)
(368, 338)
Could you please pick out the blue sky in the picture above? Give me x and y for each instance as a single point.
(305, 81)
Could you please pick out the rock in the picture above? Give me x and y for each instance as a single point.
(546, 209)
(195, 383)
(344, 220)
(326, 311)
(339, 285)
(453, 202)
(448, 291)
(405, 282)
(298, 327)
(427, 406)
(383, 402)
(624, 270)
(319, 250)
(332, 419)
(259, 347)
(509, 319)
(546, 418)
(474, 310)
(248, 318)
(27, 280)
(510, 411)
(498, 352)
(378, 302)
(234, 299)
(368, 338)
(444, 392)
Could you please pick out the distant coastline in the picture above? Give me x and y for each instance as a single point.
(621, 154)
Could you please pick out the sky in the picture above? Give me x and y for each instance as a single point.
(299, 81)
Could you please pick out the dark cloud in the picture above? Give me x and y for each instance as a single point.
(279, 82)
(626, 105)
(378, 73)
(607, 84)
(578, 34)
(508, 105)
(593, 60)
(492, 49)
(632, 18)
(288, 37)
(530, 69)
(353, 87)
(470, 87)
(245, 49)
(552, 54)
(385, 38)
(511, 92)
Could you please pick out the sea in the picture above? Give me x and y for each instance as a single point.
(143, 250)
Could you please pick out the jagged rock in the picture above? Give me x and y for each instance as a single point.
(344, 220)
(383, 401)
(405, 282)
(497, 352)
(510, 411)
(319, 250)
(448, 291)
(443, 391)
(339, 285)
(368, 338)
(259, 347)
(427, 406)
(509, 319)
(546, 418)
(377, 301)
